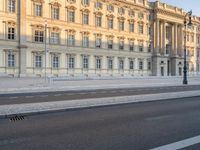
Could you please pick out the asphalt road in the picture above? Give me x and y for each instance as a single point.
(139, 126)
(85, 94)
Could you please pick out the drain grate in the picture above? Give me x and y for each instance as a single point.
(16, 118)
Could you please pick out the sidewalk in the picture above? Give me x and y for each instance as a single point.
(26, 85)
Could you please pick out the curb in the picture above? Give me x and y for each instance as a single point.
(7, 111)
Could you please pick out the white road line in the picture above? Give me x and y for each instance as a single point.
(71, 94)
(44, 96)
(13, 97)
(29, 96)
(58, 94)
(180, 144)
(92, 92)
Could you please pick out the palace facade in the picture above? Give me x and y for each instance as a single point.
(95, 38)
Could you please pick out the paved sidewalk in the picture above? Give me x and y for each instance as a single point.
(46, 107)
(26, 85)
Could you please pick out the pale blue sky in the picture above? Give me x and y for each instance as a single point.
(187, 5)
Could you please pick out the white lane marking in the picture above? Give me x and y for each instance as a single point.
(71, 94)
(13, 97)
(29, 96)
(180, 144)
(43, 95)
(12, 141)
(58, 94)
(92, 92)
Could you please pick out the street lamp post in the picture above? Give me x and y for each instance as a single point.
(185, 61)
(45, 47)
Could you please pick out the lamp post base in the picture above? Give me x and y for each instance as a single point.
(185, 82)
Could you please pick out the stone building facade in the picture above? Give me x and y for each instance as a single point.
(95, 38)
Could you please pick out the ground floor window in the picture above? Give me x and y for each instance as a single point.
(38, 61)
(11, 60)
(55, 61)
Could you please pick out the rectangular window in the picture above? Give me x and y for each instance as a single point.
(38, 61)
(140, 65)
(110, 64)
(11, 33)
(55, 61)
(98, 43)
(140, 28)
(98, 5)
(71, 40)
(98, 63)
(121, 26)
(110, 23)
(11, 60)
(54, 38)
(85, 62)
(149, 48)
(98, 21)
(121, 64)
(39, 36)
(86, 19)
(168, 48)
(11, 6)
(38, 10)
(71, 16)
(149, 65)
(168, 33)
(131, 64)
(85, 2)
(141, 48)
(140, 15)
(110, 44)
(85, 41)
(121, 10)
(110, 8)
(131, 46)
(71, 62)
(121, 45)
(131, 27)
(55, 13)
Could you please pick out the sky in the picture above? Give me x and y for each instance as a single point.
(187, 5)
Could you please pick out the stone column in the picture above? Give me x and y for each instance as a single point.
(175, 39)
(21, 24)
(157, 35)
(163, 38)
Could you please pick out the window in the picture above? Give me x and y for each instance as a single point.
(149, 65)
(121, 25)
(149, 30)
(198, 39)
(192, 38)
(55, 61)
(54, 38)
(71, 62)
(11, 60)
(121, 10)
(168, 47)
(110, 8)
(98, 21)
(140, 47)
(98, 5)
(110, 23)
(71, 16)
(131, 13)
(141, 1)
(140, 15)
(38, 61)
(85, 2)
(11, 33)
(121, 64)
(85, 41)
(149, 48)
(131, 27)
(85, 62)
(98, 42)
(39, 36)
(86, 19)
(110, 63)
(110, 44)
(71, 40)
(188, 37)
(11, 6)
(121, 45)
(131, 46)
(38, 10)
(55, 13)
(140, 65)
(98, 63)
(140, 28)
(131, 64)
(168, 32)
